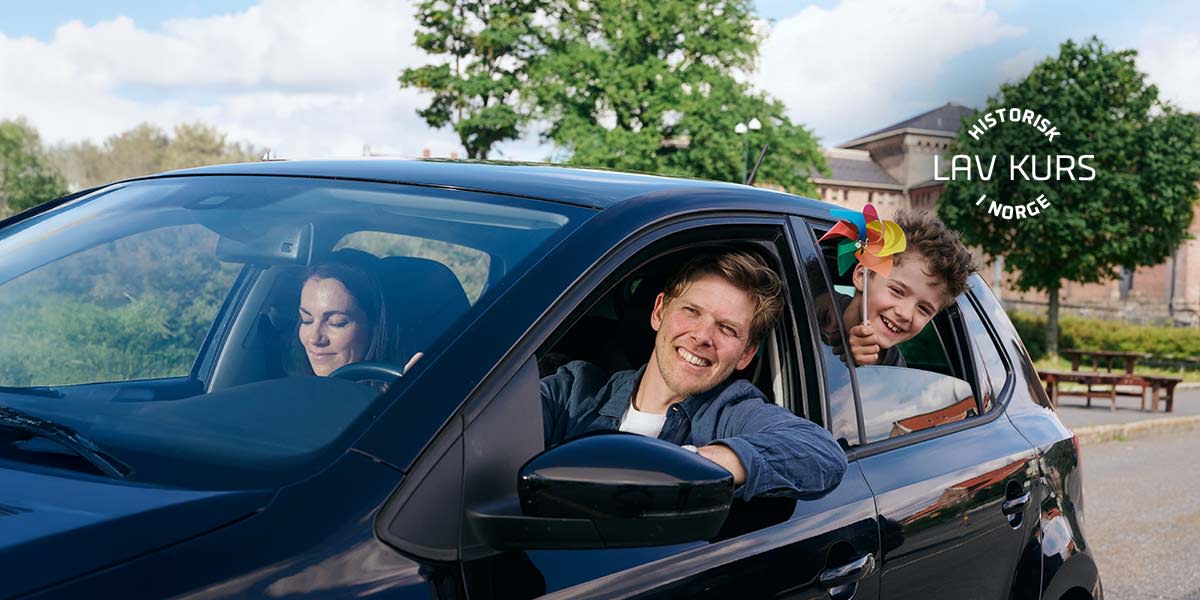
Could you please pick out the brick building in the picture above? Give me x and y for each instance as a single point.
(892, 168)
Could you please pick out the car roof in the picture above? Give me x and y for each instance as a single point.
(593, 188)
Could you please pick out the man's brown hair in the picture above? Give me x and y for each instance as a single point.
(746, 271)
(943, 249)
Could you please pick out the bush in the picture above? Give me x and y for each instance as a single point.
(1163, 343)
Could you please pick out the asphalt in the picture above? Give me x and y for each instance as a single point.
(1100, 423)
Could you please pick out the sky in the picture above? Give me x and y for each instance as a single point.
(318, 77)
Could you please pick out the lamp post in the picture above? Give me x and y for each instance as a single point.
(743, 129)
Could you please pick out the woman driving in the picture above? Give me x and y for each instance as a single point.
(343, 318)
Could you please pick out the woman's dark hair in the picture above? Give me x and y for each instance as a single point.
(356, 271)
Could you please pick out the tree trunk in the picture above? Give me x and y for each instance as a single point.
(1052, 323)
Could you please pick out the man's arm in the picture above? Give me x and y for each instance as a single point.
(724, 456)
(780, 454)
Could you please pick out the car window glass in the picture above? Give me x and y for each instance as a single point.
(993, 370)
(925, 351)
(827, 308)
(134, 308)
(468, 264)
(899, 400)
(134, 281)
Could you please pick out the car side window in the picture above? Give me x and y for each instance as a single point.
(469, 265)
(992, 368)
(613, 333)
(138, 307)
(916, 385)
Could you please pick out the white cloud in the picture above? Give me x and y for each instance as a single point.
(1169, 59)
(304, 77)
(1019, 65)
(839, 69)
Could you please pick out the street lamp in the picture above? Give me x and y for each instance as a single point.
(743, 129)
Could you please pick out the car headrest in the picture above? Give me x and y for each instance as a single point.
(423, 298)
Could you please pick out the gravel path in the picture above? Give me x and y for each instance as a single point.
(1142, 515)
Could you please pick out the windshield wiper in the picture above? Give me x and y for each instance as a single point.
(15, 420)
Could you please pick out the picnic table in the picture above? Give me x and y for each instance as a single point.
(1105, 384)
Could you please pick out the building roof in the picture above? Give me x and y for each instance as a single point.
(854, 166)
(945, 119)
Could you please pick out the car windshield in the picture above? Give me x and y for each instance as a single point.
(233, 331)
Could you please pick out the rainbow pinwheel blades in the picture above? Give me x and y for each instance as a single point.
(870, 240)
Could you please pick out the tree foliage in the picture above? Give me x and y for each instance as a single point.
(643, 85)
(26, 176)
(1134, 213)
(486, 45)
(135, 308)
(652, 85)
(147, 149)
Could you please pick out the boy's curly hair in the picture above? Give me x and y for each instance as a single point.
(942, 248)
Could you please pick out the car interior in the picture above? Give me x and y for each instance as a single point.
(615, 332)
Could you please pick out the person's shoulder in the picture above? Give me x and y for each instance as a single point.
(579, 376)
(737, 391)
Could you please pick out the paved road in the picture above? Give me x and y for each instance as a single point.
(1142, 515)
(1074, 414)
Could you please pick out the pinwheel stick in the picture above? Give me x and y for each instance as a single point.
(866, 278)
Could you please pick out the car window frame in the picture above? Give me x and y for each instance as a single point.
(795, 367)
(1004, 395)
(965, 363)
(574, 302)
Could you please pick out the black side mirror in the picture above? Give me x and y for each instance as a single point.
(609, 490)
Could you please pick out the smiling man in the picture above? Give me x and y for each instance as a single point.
(708, 321)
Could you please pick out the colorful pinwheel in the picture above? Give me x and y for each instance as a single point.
(870, 241)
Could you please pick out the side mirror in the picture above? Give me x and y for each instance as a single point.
(609, 490)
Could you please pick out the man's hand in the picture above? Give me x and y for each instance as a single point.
(722, 455)
(864, 346)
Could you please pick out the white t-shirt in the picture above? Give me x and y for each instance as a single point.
(642, 423)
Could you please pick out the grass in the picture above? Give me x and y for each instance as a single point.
(1059, 363)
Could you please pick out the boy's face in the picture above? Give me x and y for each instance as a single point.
(900, 305)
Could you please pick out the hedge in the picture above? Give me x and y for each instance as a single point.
(1163, 343)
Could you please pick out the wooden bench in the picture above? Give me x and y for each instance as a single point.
(1104, 384)
(1094, 381)
(1164, 384)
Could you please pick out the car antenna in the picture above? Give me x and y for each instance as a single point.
(754, 171)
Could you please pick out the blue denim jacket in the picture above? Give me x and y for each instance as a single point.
(784, 455)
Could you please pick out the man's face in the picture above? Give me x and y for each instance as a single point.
(900, 305)
(703, 335)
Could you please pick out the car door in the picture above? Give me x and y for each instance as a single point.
(810, 548)
(952, 477)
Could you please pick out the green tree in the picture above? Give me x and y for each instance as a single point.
(1134, 213)
(485, 45)
(652, 85)
(26, 177)
(147, 149)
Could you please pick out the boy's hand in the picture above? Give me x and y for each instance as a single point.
(864, 346)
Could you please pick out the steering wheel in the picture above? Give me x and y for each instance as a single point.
(369, 370)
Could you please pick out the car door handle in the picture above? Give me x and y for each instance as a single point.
(1015, 505)
(848, 573)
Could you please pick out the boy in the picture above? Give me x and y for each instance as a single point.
(925, 278)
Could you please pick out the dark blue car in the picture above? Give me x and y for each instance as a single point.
(163, 434)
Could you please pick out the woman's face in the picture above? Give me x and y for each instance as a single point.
(333, 329)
